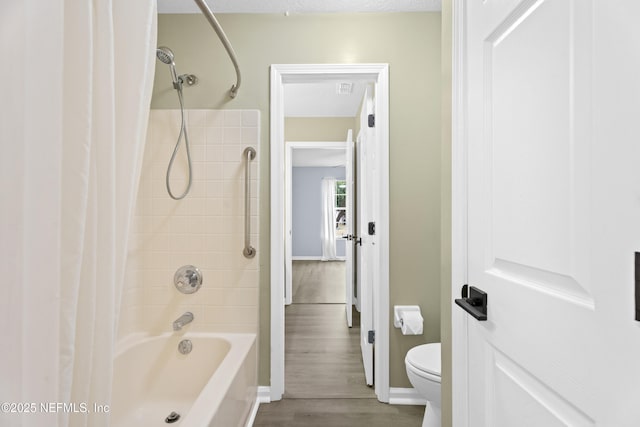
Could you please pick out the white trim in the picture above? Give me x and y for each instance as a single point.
(405, 396)
(381, 291)
(306, 258)
(281, 74)
(252, 414)
(277, 234)
(315, 258)
(262, 396)
(460, 408)
(328, 145)
(288, 225)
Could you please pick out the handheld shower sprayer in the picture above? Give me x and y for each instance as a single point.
(165, 55)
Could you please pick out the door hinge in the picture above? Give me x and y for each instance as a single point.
(371, 337)
(371, 120)
(637, 288)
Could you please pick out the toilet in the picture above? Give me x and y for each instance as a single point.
(423, 369)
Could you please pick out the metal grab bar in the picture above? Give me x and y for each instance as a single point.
(225, 41)
(248, 251)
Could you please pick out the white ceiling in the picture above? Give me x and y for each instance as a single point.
(322, 99)
(301, 6)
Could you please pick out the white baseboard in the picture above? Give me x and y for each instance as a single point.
(314, 258)
(405, 396)
(262, 396)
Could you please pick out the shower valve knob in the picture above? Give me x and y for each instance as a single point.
(187, 279)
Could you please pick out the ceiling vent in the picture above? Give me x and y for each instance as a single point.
(344, 88)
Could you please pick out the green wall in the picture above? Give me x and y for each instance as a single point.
(410, 44)
(318, 128)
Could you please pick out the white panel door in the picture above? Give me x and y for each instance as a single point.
(551, 112)
(368, 188)
(348, 244)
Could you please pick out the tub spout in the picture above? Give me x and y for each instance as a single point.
(182, 320)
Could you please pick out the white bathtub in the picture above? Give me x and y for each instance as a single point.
(213, 386)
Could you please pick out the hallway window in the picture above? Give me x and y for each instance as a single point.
(340, 212)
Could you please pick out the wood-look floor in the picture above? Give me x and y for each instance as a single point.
(324, 377)
(322, 355)
(337, 413)
(318, 282)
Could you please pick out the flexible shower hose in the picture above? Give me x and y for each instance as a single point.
(183, 131)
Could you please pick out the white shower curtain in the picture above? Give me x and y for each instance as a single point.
(77, 79)
(328, 228)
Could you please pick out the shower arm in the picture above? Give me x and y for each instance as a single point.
(225, 41)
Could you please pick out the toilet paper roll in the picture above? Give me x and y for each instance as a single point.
(412, 323)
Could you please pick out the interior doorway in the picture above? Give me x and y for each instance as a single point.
(307, 164)
(377, 239)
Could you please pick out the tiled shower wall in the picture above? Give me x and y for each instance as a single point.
(205, 229)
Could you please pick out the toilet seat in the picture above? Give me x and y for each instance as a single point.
(423, 366)
(425, 360)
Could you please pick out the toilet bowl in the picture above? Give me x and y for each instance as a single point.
(423, 369)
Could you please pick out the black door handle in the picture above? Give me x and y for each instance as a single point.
(475, 303)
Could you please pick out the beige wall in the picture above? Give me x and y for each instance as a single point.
(318, 128)
(410, 43)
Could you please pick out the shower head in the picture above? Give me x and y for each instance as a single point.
(165, 55)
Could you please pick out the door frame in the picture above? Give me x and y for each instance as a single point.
(290, 147)
(459, 349)
(288, 73)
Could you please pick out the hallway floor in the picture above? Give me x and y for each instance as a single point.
(318, 282)
(322, 355)
(324, 377)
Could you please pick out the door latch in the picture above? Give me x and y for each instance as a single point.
(474, 302)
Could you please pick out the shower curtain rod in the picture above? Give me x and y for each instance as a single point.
(225, 41)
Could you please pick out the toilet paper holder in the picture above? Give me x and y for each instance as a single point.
(399, 312)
